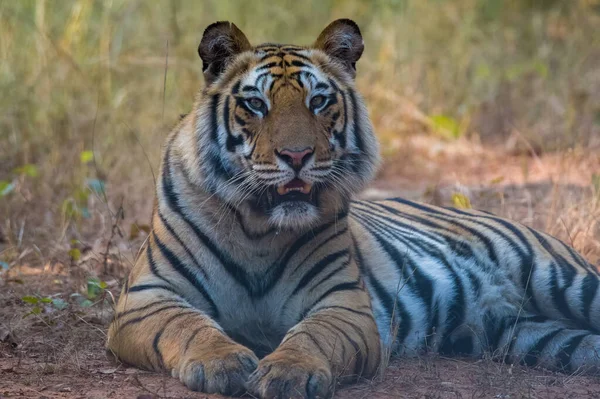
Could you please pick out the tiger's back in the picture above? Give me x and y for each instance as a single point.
(468, 282)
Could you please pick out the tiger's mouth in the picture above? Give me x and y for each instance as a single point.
(296, 190)
(294, 186)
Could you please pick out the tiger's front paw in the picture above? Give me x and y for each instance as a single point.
(285, 375)
(218, 370)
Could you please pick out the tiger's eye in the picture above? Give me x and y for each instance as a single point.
(317, 101)
(256, 103)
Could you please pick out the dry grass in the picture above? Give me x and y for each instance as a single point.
(94, 76)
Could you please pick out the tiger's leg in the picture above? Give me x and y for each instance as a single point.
(337, 338)
(156, 329)
(535, 340)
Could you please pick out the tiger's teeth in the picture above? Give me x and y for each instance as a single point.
(282, 190)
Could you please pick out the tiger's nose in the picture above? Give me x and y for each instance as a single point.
(295, 158)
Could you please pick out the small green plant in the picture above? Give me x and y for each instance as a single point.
(447, 127)
(95, 288)
(74, 252)
(25, 171)
(461, 201)
(38, 302)
(95, 293)
(75, 207)
(28, 170)
(6, 187)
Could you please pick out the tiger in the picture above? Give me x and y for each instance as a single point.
(264, 274)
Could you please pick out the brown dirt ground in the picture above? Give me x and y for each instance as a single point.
(59, 353)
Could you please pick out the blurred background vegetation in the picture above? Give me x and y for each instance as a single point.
(89, 89)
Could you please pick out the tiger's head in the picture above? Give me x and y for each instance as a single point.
(281, 128)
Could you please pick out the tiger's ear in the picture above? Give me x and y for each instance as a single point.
(220, 43)
(342, 40)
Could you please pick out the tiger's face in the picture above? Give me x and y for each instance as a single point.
(286, 133)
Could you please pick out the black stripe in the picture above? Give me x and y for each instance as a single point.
(558, 294)
(239, 120)
(424, 285)
(569, 347)
(532, 356)
(568, 272)
(524, 241)
(152, 264)
(357, 352)
(182, 269)
(236, 87)
(361, 335)
(195, 333)
(578, 258)
(412, 275)
(331, 333)
(374, 217)
(214, 115)
(237, 272)
(476, 233)
(289, 47)
(268, 66)
(145, 307)
(313, 340)
(458, 307)
(387, 300)
(511, 324)
(360, 145)
(250, 88)
(219, 170)
(269, 54)
(319, 267)
(156, 349)
(299, 64)
(346, 286)
(265, 74)
(321, 245)
(527, 260)
(182, 244)
(306, 74)
(347, 309)
(232, 141)
(295, 54)
(589, 288)
(144, 287)
(329, 276)
(154, 312)
(278, 267)
(156, 340)
(514, 324)
(419, 282)
(475, 283)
